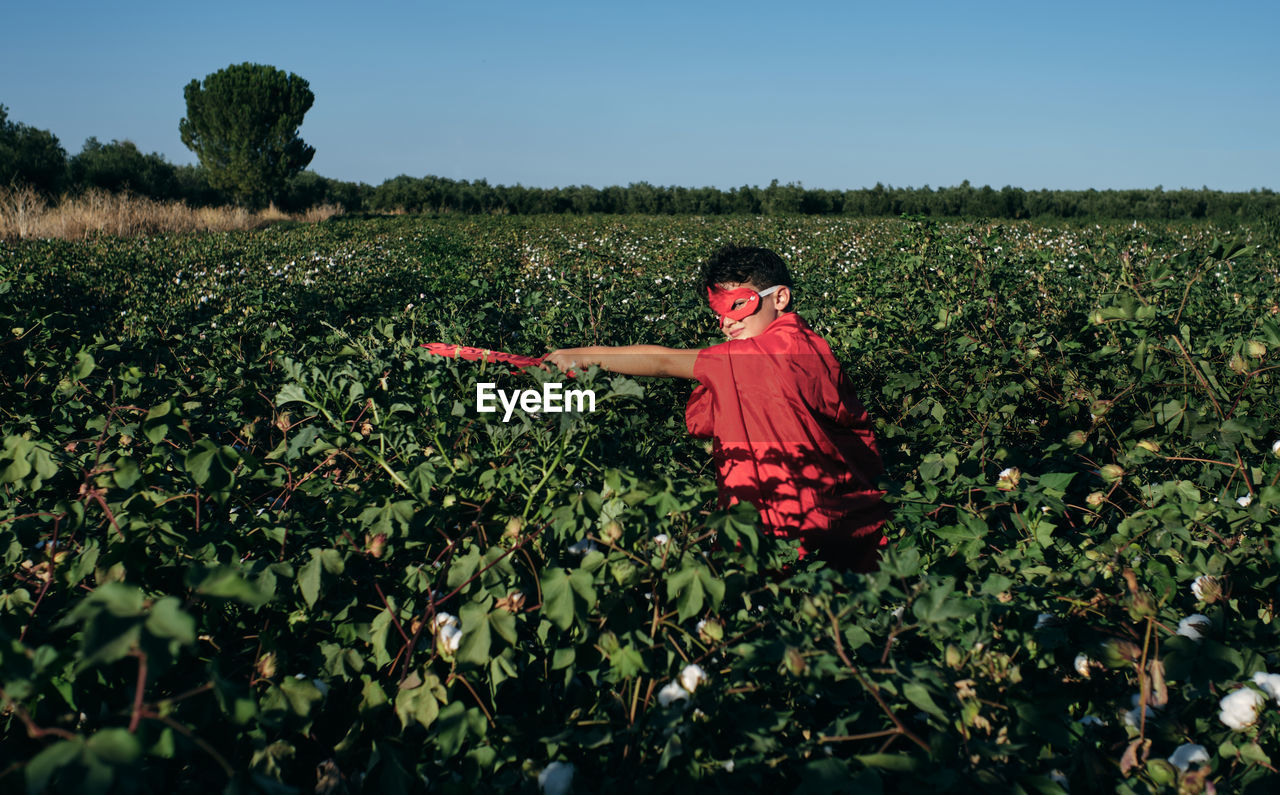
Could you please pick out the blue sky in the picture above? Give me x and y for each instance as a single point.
(829, 94)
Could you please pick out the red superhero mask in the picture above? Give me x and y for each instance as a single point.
(737, 304)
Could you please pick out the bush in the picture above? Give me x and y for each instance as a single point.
(119, 166)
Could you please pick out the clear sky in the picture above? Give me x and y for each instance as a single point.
(1060, 95)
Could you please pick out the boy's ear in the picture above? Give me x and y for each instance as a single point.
(782, 299)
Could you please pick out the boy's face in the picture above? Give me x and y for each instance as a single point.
(767, 311)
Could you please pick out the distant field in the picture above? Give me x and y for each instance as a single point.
(252, 533)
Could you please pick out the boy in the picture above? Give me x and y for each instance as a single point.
(790, 437)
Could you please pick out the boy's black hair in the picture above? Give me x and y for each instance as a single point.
(758, 267)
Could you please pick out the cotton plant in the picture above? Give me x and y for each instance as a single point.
(1270, 684)
(1239, 709)
(448, 632)
(582, 547)
(1135, 716)
(1195, 626)
(682, 686)
(1188, 754)
(556, 778)
(1206, 588)
(1083, 665)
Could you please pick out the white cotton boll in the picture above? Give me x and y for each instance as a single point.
(1082, 663)
(1045, 619)
(1199, 585)
(448, 632)
(660, 539)
(727, 765)
(582, 547)
(1239, 709)
(1057, 777)
(1245, 501)
(1270, 683)
(450, 638)
(670, 693)
(556, 778)
(1275, 447)
(1133, 717)
(692, 676)
(1194, 626)
(1090, 720)
(1188, 754)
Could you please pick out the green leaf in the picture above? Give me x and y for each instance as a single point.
(117, 598)
(504, 623)
(474, 647)
(1055, 483)
(291, 393)
(464, 568)
(685, 587)
(302, 694)
(451, 729)
(212, 467)
(828, 777)
(84, 366)
(1252, 752)
(126, 473)
(563, 657)
(45, 764)
(582, 584)
(165, 746)
(415, 703)
(995, 584)
(627, 662)
(713, 586)
(112, 622)
(378, 632)
(115, 746)
(332, 561)
(159, 421)
(940, 603)
(898, 763)
(901, 562)
(228, 582)
(309, 578)
(917, 694)
(83, 564)
(372, 697)
(167, 619)
(557, 597)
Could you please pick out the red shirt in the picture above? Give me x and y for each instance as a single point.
(790, 437)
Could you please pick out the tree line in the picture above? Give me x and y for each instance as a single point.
(440, 195)
(242, 123)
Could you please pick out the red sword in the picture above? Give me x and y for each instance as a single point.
(484, 355)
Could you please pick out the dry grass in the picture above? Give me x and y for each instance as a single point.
(25, 214)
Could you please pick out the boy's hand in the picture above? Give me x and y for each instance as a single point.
(627, 360)
(569, 358)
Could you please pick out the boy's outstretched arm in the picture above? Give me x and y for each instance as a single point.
(628, 359)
